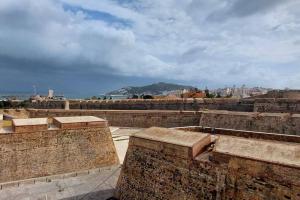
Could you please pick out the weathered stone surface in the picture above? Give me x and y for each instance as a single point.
(276, 105)
(263, 150)
(150, 104)
(79, 121)
(43, 153)
(182, 144)
(282, 123)
(27, 125)
(151, 174)
(281, 105)
(137, 118)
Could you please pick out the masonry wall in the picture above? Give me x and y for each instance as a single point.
(129, 118)
(150, 104)
(282, 123)
(149, 174)
(43, 153)
(277, 105)
(274, 105)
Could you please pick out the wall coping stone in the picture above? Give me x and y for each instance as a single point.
(262, 150)
(195, 142)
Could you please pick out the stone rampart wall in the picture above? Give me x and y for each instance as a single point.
(282, 123)
(143, 119)
(277, 105)
(280, 105)
(149, 173)
(153, 104)
(43, 153)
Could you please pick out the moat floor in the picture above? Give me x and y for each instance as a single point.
(121, 139)
(98, 184)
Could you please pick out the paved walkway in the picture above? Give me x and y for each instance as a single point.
(97, 184)
(121, 139)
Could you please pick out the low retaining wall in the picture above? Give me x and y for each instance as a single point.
(30, 154)
(231, 168)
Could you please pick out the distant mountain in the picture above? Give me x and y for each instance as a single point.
(153, 89)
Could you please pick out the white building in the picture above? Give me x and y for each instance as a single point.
(50, 94)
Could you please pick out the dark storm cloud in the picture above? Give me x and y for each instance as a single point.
(244, 8)
(92, 45)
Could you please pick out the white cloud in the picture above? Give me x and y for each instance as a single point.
(216, 41)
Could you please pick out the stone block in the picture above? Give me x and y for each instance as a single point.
(79, 122)
(29, 125)
(182, 144)
(286, 154)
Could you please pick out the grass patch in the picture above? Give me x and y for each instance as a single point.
(6, 123)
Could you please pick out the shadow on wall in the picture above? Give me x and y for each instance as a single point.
(100, 194)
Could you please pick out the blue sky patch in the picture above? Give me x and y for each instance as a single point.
(99, 15)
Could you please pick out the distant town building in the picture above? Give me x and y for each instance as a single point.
(50, 94)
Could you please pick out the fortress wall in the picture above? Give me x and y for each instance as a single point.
(277, 105)
(150, 104)
(282, 123)
(32, 154)
(149, 173)
(143, 119)
(280, 105)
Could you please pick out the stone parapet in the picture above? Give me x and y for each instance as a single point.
(28, 125)
(228, 168)
(281, 123)
(79, 122)
(183, 144)
(33, 150)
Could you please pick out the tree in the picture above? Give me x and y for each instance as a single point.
(147, 96)
(94, 98)
(207, 92)
(135, 96)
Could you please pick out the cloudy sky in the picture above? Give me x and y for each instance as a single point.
(93, 46)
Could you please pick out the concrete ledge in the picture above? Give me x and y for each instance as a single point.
(25, 125)
(242, 133)
(261, 150)
(79, 122)
(182, 144)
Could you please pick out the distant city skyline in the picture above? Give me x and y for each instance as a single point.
(87, 47)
